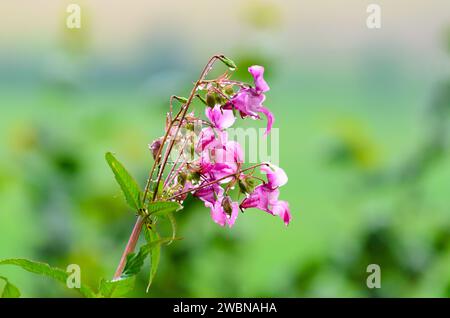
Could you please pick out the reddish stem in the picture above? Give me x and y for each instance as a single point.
(131, 245)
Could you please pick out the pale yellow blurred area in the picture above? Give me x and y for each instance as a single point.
(301, 26)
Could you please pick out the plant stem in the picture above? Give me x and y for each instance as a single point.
(134, 237)
(168, 178)
(184, 109)
(131, 245)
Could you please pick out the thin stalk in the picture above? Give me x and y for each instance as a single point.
(158, 156)
(203, 74)
(168, 178)
(132, 241)
(131, 245)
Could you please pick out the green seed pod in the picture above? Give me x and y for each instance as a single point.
(193, 176)
(247, 185)
(228, 62)
(182, 178)
(229, 90)
(181, 99)
(220, 99)
(226, 204)
(190, 126)
(210, 100)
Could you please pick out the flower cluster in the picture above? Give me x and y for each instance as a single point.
(208, 164)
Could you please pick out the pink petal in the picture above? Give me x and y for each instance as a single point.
(270, 119)
(220, 118)
(258, 76)
(227, 119)
(276, 176)
(263, 197)
(209, 194)
(206, 139)
(248, 101)
(234, 214)
(217, 213)
(235, 150)
(281, 208)
(220, 170)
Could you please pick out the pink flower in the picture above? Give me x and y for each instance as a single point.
(248, 101)
(217, 169)
(229, 152)
(209, 194)
(265, 196)
(206, 139)
(227, 158)
(221, 157)
(276, 176)
(220, 216)
(155, 146)
(220, 118)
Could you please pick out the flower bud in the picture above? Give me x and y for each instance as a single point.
(231, 65)
(229, 90)
(155, 146)
(226, 205)
(190, 126)
(220, 99)
(193, 176)
(247, 185)
(181, 99)
(210, 100)
(182, 178)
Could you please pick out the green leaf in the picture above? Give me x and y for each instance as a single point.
(161, 208)
(9, 290)
(45, 270)
(126, 182)
(135, 261)
(155, 254)
(173, 224)
(116, 288)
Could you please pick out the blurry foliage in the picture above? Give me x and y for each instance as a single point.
(352, 146)
(404, 257)
(352, 206)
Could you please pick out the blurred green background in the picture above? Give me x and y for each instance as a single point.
(364, 124)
